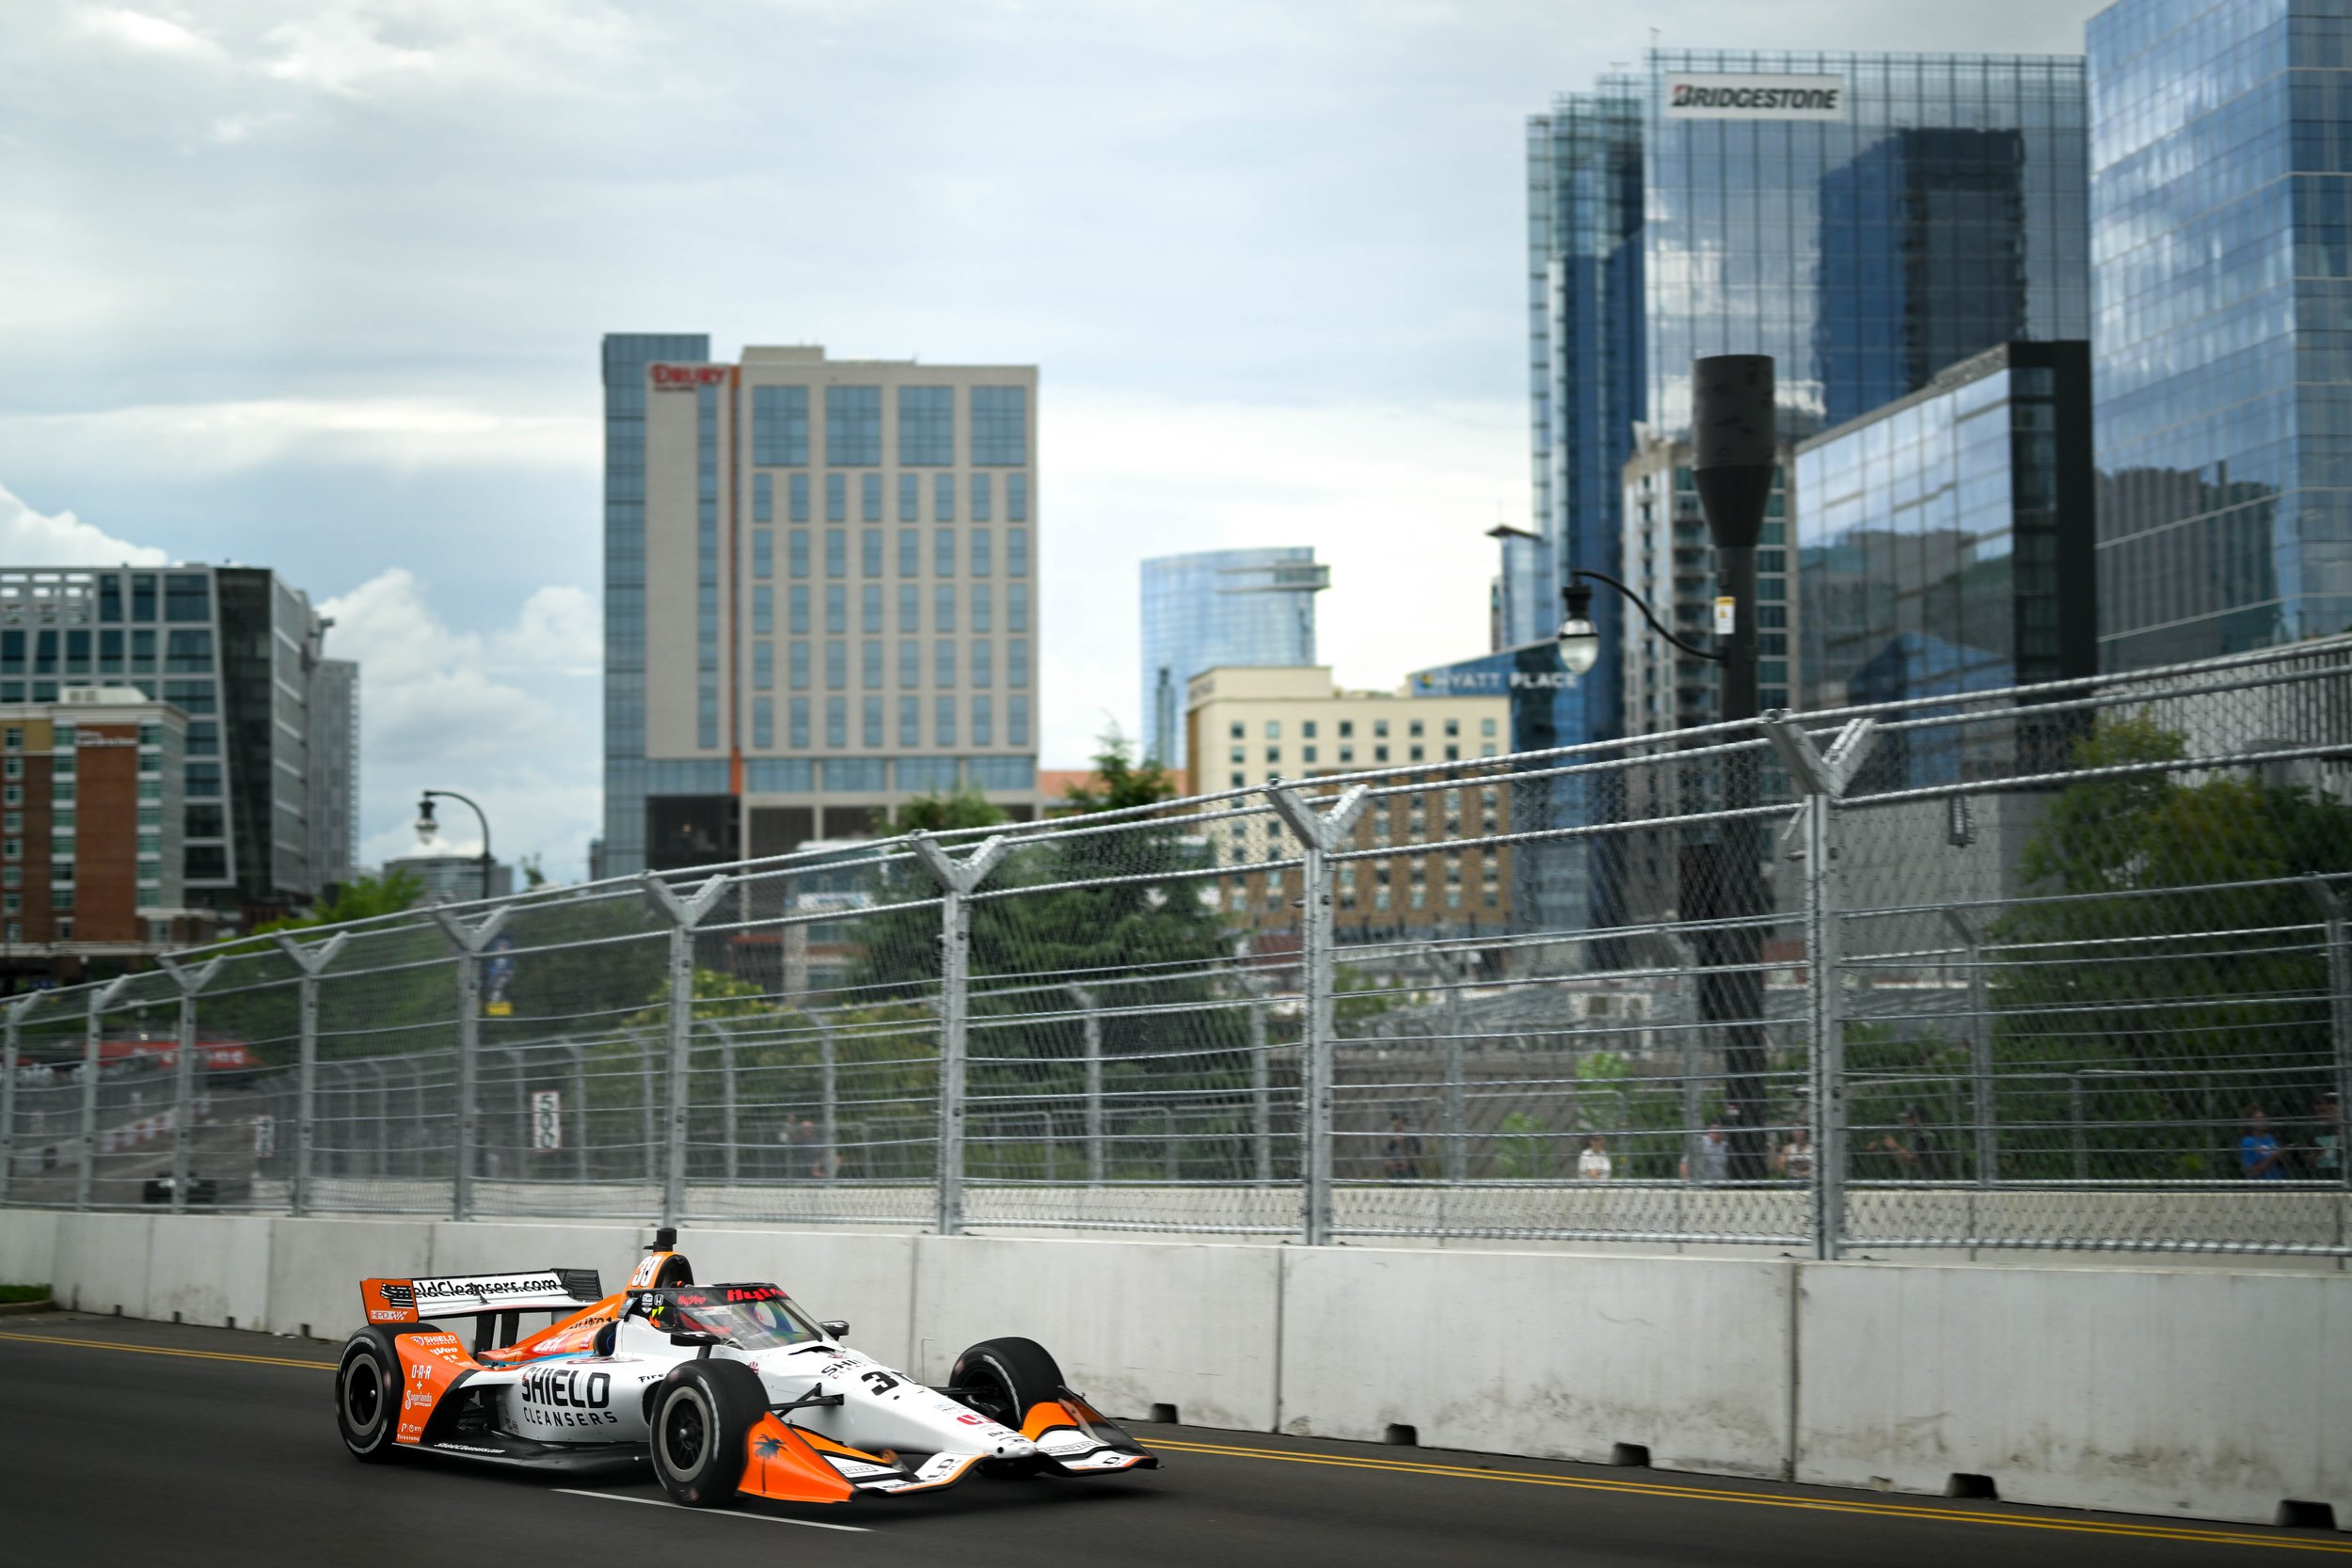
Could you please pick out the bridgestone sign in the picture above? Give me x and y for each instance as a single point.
(1756, 97)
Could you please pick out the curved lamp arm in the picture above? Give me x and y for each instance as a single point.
(1573, 593)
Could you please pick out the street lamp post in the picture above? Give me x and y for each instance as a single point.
(1733, 430)
(425, 825)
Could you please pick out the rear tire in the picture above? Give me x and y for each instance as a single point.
(367, 1388)
(702, 1416)
(1002, 1378)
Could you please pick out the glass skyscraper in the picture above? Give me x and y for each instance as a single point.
(1936, 208)
(1948, 534)
(2222, 261)
(1866, 219)
(1215, 608)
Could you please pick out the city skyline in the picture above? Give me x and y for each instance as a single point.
(353, 366)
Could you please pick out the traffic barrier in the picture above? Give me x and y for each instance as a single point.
(2181, 1391)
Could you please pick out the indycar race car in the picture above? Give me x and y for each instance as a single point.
(723, 1389)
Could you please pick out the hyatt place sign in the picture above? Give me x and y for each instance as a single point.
(1724, 96)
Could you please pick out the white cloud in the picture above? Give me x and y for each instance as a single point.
(30, 538)
(1393, 498)
(396, 432)
(506, 718)
(560, 629)
(148, 32)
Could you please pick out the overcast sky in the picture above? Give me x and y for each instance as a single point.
(319, 286)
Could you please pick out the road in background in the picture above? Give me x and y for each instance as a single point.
(125, 1441)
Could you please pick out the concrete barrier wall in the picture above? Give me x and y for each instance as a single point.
(1542, 1354)
(2149, 1392)
(2167, 1392)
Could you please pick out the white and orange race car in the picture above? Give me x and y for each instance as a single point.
(723, 1389)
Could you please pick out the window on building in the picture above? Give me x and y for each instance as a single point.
(763, 498)
(837, 552)
(870, 666)
(944, 499)
(1017, 663)
(943, 552)
(1379, 753)
(1307, 729)
(1274, 729)
(983, 607)
(870, 723)
(1238, 732)
(780, 426)
(852, 427)
(1016, 607)
(1306, 755)
(944, 607)
(763, 552)
(944, 720)
(836, 666)
(984, 722)
(910, 663)
(796, 609)
(1000, 426)
(1487, 726)
(1381, 727)
(870, 609)
(796, 552)
(1016, 720)
(798, 512)
(763, 666)
(796, 724)
(1016, 498)
(13, 737)
(1016, 552)
(926, 427)
(943, 663)
(869, 500)
(983, 664)
(836, 721)
(763, 610)
(188, 652)
(910, 498)
(981, 490)
(910, 552)
(13, 767)
(188, 598)
(836, 497)
(982, 564)
(910, 722)
(1414, 728)
(837, 608)
(910, 608)
(1452, 727)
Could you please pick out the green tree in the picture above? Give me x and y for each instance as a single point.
(948, 811)
(364, 897)
(2158, 950)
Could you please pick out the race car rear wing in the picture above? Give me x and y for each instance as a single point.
(408, 1301)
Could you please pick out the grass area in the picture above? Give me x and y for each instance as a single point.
(23, 1293)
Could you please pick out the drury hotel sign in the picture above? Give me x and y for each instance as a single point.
(1696, 95)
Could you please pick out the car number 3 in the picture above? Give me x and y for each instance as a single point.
(880, 1381)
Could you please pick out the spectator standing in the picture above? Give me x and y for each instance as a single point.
(1914, 1150)
(1794, 1161)
(1399, 1157)
(1714, 1157)
(2327, 1139)
(1593, 1164)
(2259, 1156)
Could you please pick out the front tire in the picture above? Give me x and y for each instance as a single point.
(702, 1416)
(367, 1388)
(1003, 1378)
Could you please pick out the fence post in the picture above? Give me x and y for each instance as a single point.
(1821, 777)
(1320, 834)
(2339, 1014)
(1261, 1090)
(956, 879)
(86, 1175)
(1093, 1028)
(312, 963)
(190, 981)
(827, 1099)
(1979, 1047)
(10, 1060)
(469, 940)
(684, 914)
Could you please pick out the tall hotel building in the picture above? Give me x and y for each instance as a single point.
(820, 595)
(1865, 219)
(2221, 225)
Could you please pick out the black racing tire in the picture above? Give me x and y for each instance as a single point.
(367, 1390)
(702, 1416)
(1002, 1378)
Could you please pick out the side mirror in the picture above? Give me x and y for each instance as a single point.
(838, 1328)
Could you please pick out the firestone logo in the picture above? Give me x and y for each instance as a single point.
(685, 378)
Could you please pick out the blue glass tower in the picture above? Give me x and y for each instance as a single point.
(2222, 264)
(1585, 379)
(626, 356)
(1936, 207)
(1220, 607)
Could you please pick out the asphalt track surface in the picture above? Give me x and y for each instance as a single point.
(134, 1442)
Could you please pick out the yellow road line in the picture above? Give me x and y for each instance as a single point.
(162, 1350)
(1827, 1505)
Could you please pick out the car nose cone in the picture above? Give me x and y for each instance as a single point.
(1015, 1448)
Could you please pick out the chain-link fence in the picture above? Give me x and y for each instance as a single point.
(2063, 967)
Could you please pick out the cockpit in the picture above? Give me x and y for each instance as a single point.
(748, 1317)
